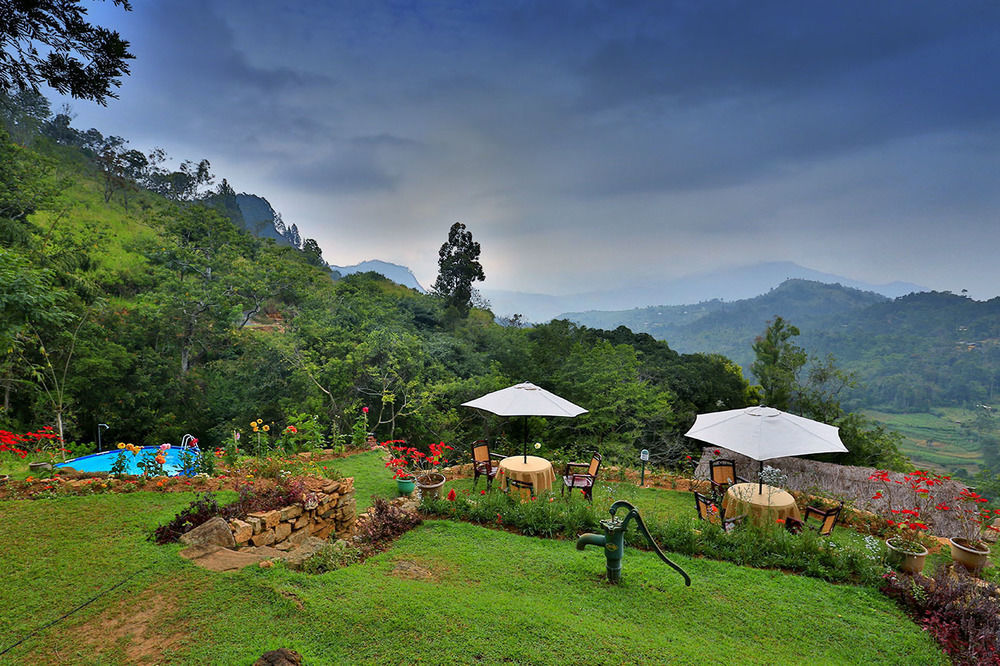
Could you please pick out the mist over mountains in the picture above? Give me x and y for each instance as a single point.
(398, 274)
(726, 285)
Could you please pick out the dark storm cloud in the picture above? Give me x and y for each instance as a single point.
(632, 132)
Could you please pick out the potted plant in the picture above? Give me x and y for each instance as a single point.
(906, 552)
(969, 549)
(414, 467)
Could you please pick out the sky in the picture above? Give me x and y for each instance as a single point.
(590, 144)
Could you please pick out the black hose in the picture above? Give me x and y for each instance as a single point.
(66, 615)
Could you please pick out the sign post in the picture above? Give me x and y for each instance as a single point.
(644, 457)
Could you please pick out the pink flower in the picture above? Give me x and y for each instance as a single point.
(364, 410)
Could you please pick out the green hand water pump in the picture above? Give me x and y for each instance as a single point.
(613, 541)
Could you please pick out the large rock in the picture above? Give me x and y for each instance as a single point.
(282, 657)
(214, 532)
(296, 558)
(217, 558)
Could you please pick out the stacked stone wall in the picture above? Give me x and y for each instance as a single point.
(333, 510)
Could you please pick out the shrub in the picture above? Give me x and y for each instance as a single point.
(961, 613)
(384, 523)
(761, 547)
(203, 508)
(332, 557)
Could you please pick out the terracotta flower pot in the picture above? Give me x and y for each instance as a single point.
(430, 485)
(971, 555)
(906, 559)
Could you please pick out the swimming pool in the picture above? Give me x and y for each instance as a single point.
(101, 462)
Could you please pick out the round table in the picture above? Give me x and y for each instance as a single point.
(766, 505)
(536, 470)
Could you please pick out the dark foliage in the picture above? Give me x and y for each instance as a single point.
(961, 612)
(203, 508)
(83, 60)
(252, 499)
(385, 522)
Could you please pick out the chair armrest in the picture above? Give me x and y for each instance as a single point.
(584, 465)
(736, 519)
(497, 456)
(742, 480)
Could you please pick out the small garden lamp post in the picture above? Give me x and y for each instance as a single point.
(644, 457)
(100, 426)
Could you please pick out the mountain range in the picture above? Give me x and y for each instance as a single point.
(726, 285)
(398, 274)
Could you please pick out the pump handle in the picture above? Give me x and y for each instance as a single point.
(642, 526)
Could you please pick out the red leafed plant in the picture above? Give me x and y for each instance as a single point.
(408, 462)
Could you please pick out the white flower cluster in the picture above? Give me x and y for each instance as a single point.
(773, 476)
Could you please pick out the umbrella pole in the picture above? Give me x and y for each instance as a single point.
(760, 479)
(524, 446)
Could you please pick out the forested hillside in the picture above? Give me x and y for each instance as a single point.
(909, 354)
(131, 298)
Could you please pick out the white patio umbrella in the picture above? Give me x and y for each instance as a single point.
(525, 400)
(763, 433)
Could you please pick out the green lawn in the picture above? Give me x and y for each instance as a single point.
(492, 597)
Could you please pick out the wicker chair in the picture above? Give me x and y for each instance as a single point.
(583, 481)
(484, 463)
(827, 518)
(722, 474)
(711, 512)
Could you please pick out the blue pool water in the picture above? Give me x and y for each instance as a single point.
(101, 462)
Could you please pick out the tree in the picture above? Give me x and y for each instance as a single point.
(778, 363)
(83, 60)
(458, 262)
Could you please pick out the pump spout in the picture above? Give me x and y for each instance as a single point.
(590, 539)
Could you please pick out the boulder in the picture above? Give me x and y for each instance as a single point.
(217, 558)
(296, 558)
(282, 657)
(214, 532)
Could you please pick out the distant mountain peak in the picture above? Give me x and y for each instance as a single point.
(398, 274)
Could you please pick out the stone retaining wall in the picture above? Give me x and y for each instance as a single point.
(848, 483)
(333, 510)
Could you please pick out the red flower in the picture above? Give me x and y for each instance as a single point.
(877, 495)
(364, 410)
(482, 492)
(716, 451)
(451, 495)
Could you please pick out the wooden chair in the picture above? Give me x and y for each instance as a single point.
(583, 481)
(793, 525)
(722, 474)
(521, 486)
(711, 512)
(484, 463)
(827, 518)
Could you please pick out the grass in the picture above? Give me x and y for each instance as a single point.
(491, 597)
